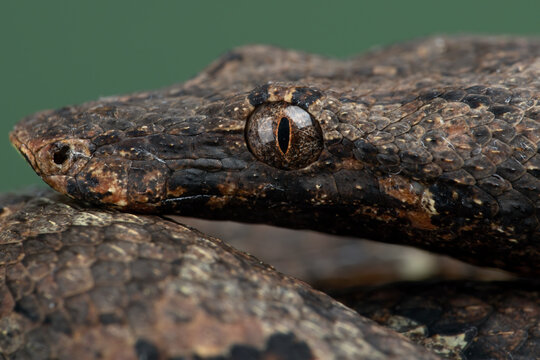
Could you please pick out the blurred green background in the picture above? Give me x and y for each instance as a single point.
(55, 53)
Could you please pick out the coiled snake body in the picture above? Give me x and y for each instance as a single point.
(431, 143)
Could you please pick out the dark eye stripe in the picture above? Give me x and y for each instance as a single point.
(284, 133)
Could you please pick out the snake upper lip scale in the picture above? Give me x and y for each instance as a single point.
(431, 143)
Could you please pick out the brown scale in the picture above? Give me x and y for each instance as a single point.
(458, 320)
(465, 140)
(405, 144)
(87, 283)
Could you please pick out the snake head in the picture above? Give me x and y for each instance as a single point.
(236, 132)
(55, 151)
(425, 141)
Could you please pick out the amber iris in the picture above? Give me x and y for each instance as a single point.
(284, 136)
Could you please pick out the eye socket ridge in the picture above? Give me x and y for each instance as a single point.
(284, 136)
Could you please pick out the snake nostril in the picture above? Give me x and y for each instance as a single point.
(61, 155)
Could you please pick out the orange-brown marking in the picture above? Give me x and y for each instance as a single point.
(401, 188)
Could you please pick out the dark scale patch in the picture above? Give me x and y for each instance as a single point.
(521, 95)
(511, 169)
(168, 146)
(91, 181)
(11, 253)
(259, 95)
(426, 313)
(481, 350)
(475, 101)
(146, 350)
(476, 89)
(110, 318)
(352, 185)
(524, 149)
(529, 186)
(417, 156)
(365, 151)
(215, 108)
(467, 201)
(233, 164)
(388, 159)
(499, 110)
(29, 307)
(518, 213)
(499, 95)
(213, 180)
(72, 188)
(149, 270)
(481, 135)
(533, 165)
(448, 160)
(399, 128)
(37, 346)
(479, 166)
(513, 117)
(434, 139)
(454, 95)
(452, 324)
(430, 171)
(143, 132)
(78, 310)
(278, 347)
(116, 124)
(245, 352)
(304, 97)
(146, 181)
(514, 206)
(59, 322)
(533, 113)
(86, 187)
(503, 131)
(286, 346)
(494, 185)
(430, 95)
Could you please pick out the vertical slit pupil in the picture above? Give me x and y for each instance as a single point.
(283, 134)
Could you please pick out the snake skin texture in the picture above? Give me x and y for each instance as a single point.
(88, 283)
(458, 320)
(431, 143)
(84, 283)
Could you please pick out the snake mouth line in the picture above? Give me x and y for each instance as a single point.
(188, 198)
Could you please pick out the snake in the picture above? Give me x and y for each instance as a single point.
(431, 143)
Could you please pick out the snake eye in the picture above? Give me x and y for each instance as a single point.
(284, 136)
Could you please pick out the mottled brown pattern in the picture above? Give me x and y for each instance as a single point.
(430, 143)
(85, 283)
(451, 122)
(459, 320)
